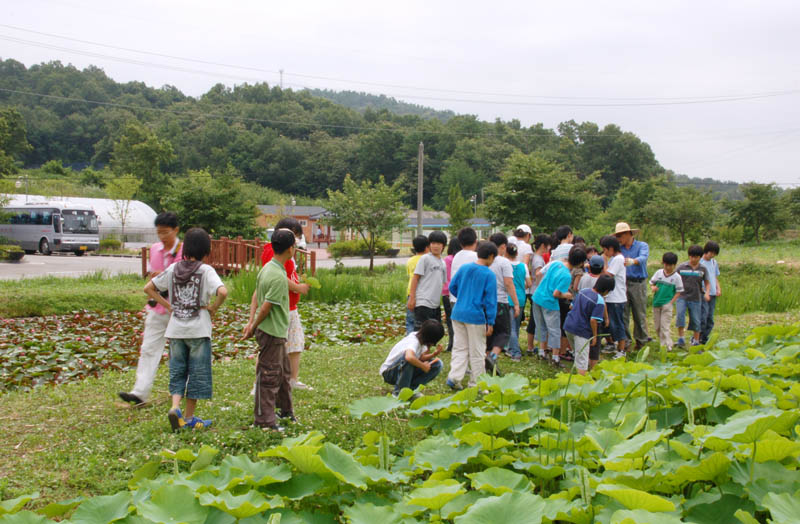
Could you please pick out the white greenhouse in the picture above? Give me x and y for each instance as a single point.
(139, 226)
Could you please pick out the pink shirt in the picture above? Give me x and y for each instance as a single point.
(160, 260)
(448, 263)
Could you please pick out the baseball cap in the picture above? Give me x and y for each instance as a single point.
(526, 228)
(597, 262)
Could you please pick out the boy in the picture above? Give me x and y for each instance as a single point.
(506, 296)
(596, 266)
(666, 285)
(190, 284)
(429, 276)
(468, 239)
(563, 243)
(541, 245)
(269, 321)
(710, 251)
(522, 280)
(616, 300)
(554, 286)
(696, 288)
(582, 322)
(411, 363)
(475, 288)
(420, 245)
(162, 255)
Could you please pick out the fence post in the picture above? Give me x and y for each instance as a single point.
(144, 262)
(313, 262)
(240, 253)
(224, 253)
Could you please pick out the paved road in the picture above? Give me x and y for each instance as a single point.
(68, 265)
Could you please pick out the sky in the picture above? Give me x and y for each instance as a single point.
(713, 86)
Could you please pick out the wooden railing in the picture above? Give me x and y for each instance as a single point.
(231, 255)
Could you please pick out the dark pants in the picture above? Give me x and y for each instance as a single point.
(707, 318)
(406, 375)
(531, 329)
(272, 380)
(448, 309)
(422, 313)
(501, 331)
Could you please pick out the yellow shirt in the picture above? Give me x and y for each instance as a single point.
(411, 265)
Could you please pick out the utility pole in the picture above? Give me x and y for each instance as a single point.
(419, 189)
(281, 71)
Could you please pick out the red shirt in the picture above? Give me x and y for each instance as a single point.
(545, 256)
(291, 274)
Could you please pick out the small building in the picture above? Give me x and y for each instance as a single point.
(309, 217)
(432, 221)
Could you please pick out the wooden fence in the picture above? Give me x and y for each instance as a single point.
(231, 255)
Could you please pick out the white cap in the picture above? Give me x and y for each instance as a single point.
(526, 228)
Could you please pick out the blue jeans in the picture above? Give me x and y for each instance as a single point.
(406, 375)
(409, 318)
(695, 314)
(513, 340)
(616, 320)
(190, 367)
(707, 318)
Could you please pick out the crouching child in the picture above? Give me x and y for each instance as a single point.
(587, 313)
(411, 363)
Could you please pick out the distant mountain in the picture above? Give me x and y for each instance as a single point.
(363, 101)
(718, 189)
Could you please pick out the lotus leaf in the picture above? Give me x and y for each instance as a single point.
(499, 480)
(636, 499)
(172, 505)
(374, 406)
(242, 506)
(16, 504)
(104, 509)
(509, 508)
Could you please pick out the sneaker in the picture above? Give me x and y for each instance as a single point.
(516, 359)
(130, 397)
(296, 384)
(197, 422)
(176, 419)
(531, 352)
(568, 356)
(453, 385)
(288, 416)
(696, 343)
(618, 355)
(681, 343)
(276, 428)
(608, 348)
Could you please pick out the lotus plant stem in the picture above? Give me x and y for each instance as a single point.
(716, 390)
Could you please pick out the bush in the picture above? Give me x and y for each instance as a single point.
(355, 248)
(110, 243)
(11, 252)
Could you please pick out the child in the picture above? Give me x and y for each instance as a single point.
(708, 261)
(162, 255)
(475, 288)
(420, 246)
(452, 249)
(541, 245)
(583, 319)
(563, 243)
(522, 280)
(616, 300)
(411, 363)
(506, 297)
(596, 266)
(468, 239)
(666, 285)
(429, 275)
(696, 288)
(190, 285)
(554, 286)
(269, 321)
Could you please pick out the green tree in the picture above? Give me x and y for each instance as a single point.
(220, 203)
(686, 211)
(760, 211)
(793, 204)
(459, 210)
(141, 153)
(371, 209)
(535, 190)
(13, 141)
(122, 190)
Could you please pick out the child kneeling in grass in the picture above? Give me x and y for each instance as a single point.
(587, 313)
(190, 285)
(411, 363)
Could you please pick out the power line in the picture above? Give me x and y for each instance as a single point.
(643, 101)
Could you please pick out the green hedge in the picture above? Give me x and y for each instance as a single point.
(11, 252)
(110, 243)
(355, 248)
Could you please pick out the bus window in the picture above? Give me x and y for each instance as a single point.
(56, 222)
(21, 217)
(80, 222)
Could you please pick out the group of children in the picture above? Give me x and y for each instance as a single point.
(579, 297)
(185, 294)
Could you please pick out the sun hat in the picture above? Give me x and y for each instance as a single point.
(623, 227)
(526, 228)
(597, 262)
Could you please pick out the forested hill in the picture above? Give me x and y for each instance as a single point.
(362, 102)
(291, 140)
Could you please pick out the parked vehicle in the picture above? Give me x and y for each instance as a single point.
(52, 226)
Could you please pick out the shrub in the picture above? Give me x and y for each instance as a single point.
(11, 252)
(110, 243)
(355, 248)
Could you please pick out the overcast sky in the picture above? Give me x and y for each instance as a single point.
(535, 61)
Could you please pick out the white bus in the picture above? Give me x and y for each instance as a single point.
(51, 226)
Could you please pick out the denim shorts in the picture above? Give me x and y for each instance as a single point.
(694, 308)
(616, 320)
(190, 367)
(547, 326)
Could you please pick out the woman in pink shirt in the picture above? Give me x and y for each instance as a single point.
(452, 248)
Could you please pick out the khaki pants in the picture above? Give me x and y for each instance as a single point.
(637, 304)
(469, 349)
(153, 341)
(662, 318)
(272, 380)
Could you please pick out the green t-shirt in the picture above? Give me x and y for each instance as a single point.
(273, 287)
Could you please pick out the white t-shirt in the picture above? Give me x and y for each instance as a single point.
(616, 266)
(537, 262)
(502, 269)
(461, 258)
(432, 275)
(561, 252)
(410, 341)
(199, 326)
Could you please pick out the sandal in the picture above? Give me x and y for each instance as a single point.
(196, 422)
(176, 419)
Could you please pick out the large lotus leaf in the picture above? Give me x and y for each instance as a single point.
(685, 451)
(376, 475)
(632, 424)
(255, 473)
(374, 406)
(746, 426)
(508, 508)
(57, 509)
(600, 440)
(205, 456)
(786, 420)
(551, 423)
(242, 506)
(708, 468)
(24, 517)
(487, 442)
(784, 508)
(638, 445)
(368, 513)
(287, 516)
(745, 517)
(459, 505)
(438, 452)
(503, 398)
(304, 457)
(104, 509)
(635, 499)
(342, 465)
(172, 504)
(776, 448)
(16, 504)
(697, 398)
(721, 511)
(634, 404)
(509, 382)
(499, 480)
(148, 471)
(493, 423)
(298, 487)
(640, 516)
(435, 494)
(546, 472)
(208, 480)
(215, 516)
(741, 382)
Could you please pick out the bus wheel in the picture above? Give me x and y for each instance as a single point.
(44, 247)
(30, 251)
(79, 253)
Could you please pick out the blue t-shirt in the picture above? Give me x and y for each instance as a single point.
(520, 272)
(712, 268)
(588, 304)
(557, 277)
(475, 289)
